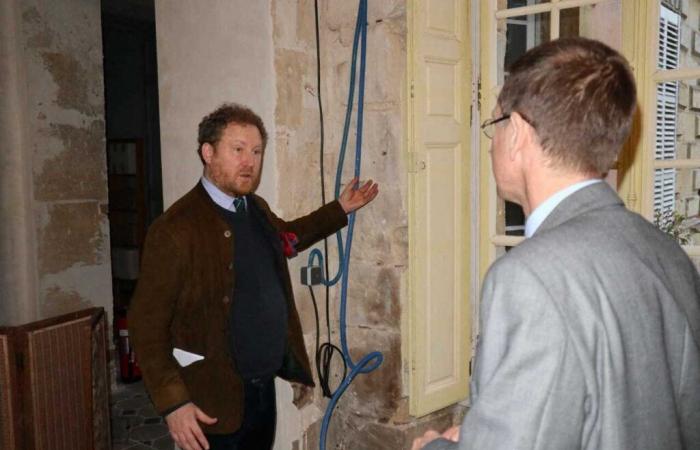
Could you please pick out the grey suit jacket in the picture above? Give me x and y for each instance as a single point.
(590, 337)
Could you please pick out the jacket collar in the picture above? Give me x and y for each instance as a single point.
(253, 205)
(595, 196)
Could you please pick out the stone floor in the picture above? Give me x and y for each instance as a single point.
(135, 424)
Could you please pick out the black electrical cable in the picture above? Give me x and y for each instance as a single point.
(321, 150)
(324, 353)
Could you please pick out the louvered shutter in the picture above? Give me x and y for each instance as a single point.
(666, 108)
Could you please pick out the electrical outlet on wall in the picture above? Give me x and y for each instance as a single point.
(311, 275)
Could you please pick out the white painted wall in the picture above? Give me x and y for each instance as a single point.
(210, 52)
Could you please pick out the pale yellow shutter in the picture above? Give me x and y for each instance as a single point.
(439, 158)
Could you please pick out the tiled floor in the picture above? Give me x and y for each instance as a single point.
(135, 424)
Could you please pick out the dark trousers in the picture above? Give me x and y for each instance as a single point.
(257, 430)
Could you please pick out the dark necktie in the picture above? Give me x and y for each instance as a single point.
(239, 204)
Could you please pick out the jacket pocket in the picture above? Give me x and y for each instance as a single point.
(214, 388)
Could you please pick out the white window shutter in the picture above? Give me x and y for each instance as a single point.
(666, 110)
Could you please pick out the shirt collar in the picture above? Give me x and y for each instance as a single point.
(218, 196)
(540, 213)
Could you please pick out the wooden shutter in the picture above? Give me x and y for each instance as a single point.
(666, 110)
(438, 164)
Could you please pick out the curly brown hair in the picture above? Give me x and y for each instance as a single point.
(214, 123)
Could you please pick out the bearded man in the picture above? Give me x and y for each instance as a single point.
(213, 316)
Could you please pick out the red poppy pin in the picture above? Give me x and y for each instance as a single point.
(289, 243)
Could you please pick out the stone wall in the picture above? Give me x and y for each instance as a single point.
(60, 236)
(373, 412)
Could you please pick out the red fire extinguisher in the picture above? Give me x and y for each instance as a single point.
(128, 366)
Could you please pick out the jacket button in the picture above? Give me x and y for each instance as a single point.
(227, 233)
(225, 299)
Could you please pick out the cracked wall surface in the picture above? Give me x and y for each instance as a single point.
(60, 134)
(373, 412)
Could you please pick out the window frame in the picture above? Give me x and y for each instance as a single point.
(640, 26)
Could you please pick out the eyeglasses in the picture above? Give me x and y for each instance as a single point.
(488, 126)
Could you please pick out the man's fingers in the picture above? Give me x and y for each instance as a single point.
(201, 440)
(182, 441)
(452, 434)
(371, 194)
(352, 183)
(184, 427)
(428, 437)
(374, 191)
(202, 417)
(365, 187)
(192, 443)
(368, 186)
(353, 199)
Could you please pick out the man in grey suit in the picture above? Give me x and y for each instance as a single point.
(590, 329)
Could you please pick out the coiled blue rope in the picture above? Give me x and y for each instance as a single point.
(372, 360)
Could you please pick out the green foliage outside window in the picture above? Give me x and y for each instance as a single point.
(673, 223)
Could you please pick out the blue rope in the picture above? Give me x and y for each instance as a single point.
(372, 360)
(316, 253)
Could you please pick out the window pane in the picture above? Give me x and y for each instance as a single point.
(517, 35)
(507, 4)
(601, 21)
(687, 119)
(515, 219)
(570, 22)
(677, 203)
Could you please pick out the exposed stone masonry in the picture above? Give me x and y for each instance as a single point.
(373, 413)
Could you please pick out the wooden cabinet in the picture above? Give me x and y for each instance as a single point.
(54, 386)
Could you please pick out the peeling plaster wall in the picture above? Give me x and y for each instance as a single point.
(59, 102)
(373, 412)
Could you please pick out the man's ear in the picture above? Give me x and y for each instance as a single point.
(522, 136)
(207, 152)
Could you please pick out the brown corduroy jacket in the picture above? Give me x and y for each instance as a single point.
(183, 297)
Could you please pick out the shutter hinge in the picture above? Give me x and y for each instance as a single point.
(478, 93)
(416, 162)
(477, 101)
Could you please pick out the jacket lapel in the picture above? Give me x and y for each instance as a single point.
(270, 232)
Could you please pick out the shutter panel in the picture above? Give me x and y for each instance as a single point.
(439, 324)
(666, 109)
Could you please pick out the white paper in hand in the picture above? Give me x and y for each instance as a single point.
(185, 358)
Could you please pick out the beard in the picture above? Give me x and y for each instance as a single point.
(234, 184)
